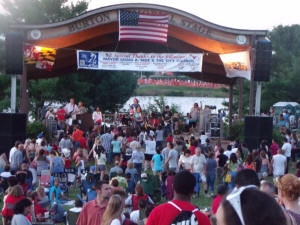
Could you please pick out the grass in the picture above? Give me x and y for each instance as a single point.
(152, 90)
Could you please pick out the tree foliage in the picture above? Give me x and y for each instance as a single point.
(285, 71)
(285, 75)
(97, 88)
(103, 88)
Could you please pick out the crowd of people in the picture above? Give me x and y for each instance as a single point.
(125, 173)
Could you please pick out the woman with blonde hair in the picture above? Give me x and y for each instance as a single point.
(288, 194)
(113, 212)
(15, 194)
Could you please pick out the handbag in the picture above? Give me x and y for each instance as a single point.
(228, 178)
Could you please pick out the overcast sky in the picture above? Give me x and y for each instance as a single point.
(245, 14)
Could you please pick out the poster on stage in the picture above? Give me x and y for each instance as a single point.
(237, 64)
(156, 62)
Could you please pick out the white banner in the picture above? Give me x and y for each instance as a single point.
(157, 62)
(237, 64)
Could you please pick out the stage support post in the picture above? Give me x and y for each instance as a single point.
(24, 103)
(13, 93)
(241, 87)
(258, 98)
(230, 105)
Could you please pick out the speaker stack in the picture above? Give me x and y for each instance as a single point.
(262, 67)
(12, 129)
(215, 127)
(14, 50)
(258, 128)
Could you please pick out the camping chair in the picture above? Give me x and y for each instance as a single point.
(71, 176)
(45, 178)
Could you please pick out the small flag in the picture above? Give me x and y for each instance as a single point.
(143, 26)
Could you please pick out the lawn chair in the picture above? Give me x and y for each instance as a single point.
(71, 176)
(45, 178)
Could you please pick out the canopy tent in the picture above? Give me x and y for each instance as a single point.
(98, 30)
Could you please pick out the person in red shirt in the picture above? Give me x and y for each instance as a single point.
(168, 213)
(77, 135)
(60, 115)
(14, 195)
(170, 138)
(92, 212)
(38, 210)
(222, 191)
(274, 147)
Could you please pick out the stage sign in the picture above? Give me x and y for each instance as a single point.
(237, 64)
(157, 62)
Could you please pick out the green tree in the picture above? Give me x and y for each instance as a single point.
(285, 71)
(285, 76)
(103, 88)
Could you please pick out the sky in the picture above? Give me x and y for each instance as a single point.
(241, 14)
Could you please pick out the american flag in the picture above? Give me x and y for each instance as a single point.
(143, 26)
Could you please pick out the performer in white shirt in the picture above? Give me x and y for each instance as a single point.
(71, 109)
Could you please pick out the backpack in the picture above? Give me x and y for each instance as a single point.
(184, 217)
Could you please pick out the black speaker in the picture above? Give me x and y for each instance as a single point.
(262, 67)
(12, 129)
(14, 50)
(258, 128)
(252, 126)
(266, 129)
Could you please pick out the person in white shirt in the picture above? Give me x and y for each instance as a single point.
(12, 150)
(203, 138)
(185, 160)
(279, 163)
(228, 151)
(97, 116)
(71, 109)
(6, 173)
(150, 151)
(199, 170)
(287, 150)
(134, 144)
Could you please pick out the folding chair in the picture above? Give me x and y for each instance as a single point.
(45, 178)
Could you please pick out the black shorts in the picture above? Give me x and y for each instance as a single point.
(148, 157)
(294, 154)
(193, 123)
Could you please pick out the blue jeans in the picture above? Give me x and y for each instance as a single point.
(109, 156)
(168, 129)
(138, 167)
(231, 185)
(197, 187)
(210, 178)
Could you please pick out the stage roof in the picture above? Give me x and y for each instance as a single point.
(98, 30)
